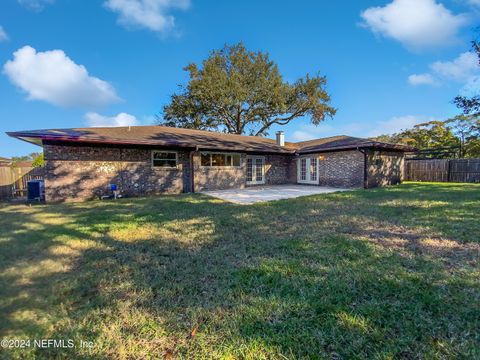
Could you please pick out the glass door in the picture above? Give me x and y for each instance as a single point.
(307, 170)
(255, 170)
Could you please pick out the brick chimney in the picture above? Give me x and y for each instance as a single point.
(280, 138)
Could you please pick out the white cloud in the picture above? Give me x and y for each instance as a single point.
(396, 124)
(3, 35)
(149, 14)
(309, 132)
(417, 24)
(464, 70)
(53, 77)
(474, 2)
(422, 79)
(94, 119)
(360, 128)
(472, 87)
(460, 69)
(36, 5)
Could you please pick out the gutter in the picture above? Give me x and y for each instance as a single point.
(374, 145)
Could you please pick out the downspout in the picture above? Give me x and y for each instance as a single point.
(192, 169)
(122, 172)
(365, 167)
(295, 168)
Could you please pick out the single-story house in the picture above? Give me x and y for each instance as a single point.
(140, 160)
(5, 161)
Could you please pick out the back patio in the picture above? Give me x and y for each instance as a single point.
(251, 195)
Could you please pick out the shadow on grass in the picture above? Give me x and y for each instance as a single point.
(298, 278)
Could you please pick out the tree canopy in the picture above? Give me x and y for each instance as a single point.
(242, 92)
(459, 136)
(36, 158)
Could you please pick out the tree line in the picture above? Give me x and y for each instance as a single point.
(456, 137)
(36, 158)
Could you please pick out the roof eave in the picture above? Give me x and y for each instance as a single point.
(396, 147)
(38, 139)
(360, 146)
(35, 140)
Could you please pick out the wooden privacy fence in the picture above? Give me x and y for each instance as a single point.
(443, 170)
(13, 180)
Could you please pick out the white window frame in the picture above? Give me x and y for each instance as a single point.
(219, 153)
(164, 151)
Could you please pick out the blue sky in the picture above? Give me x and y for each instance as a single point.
(389, 63)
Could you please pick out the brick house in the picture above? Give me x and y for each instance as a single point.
(141, 160)
(5, 161)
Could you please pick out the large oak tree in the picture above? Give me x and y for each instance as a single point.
(242, 92)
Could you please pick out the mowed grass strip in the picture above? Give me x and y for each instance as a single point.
(387, 273)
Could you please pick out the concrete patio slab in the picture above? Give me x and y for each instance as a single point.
(256, 194)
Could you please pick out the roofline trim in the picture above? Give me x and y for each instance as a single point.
(355, 147)
(79, 139)
(24, 135)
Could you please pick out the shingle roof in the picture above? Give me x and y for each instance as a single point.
(344, 142)
(157, 136)
(186, 138)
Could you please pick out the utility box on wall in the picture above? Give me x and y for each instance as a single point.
(36, 190)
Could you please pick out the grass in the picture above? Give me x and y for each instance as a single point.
(380, 274)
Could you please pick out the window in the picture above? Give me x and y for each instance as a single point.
(303, 169)
(220, 159)
(313, 169)
(258, 169)
(164, 159)
(233, 159)
(205, 159)
(249, 169)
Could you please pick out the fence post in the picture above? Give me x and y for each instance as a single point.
(449, 170)
(12, 182)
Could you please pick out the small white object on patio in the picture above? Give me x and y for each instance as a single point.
(256, 194)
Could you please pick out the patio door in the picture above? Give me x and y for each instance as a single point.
(307, 170)
(255, 170)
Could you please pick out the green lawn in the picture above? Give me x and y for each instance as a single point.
(370, 274)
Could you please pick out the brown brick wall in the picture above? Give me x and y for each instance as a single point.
(384, 168)
(75, 173)
(277, 169)
(341, 169)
